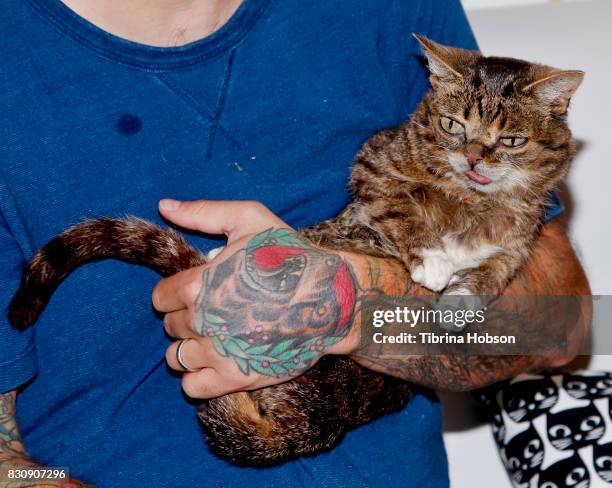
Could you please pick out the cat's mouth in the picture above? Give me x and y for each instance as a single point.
(477, 177)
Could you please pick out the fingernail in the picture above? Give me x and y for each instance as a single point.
(169, 204)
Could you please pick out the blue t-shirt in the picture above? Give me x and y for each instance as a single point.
(271, 107)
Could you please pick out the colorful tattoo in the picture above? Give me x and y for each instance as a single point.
(277, 305)
(10, 442)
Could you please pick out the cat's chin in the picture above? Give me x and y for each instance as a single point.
(488, 188)
(464, 182)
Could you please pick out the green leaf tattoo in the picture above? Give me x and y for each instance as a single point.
(277, 305)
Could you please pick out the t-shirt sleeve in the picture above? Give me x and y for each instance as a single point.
(17, 353)
(554, 206)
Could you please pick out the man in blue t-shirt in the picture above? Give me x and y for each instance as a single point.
(109, 106)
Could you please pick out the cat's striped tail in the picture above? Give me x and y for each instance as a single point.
(133, 240)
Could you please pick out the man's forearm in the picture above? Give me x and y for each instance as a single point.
(273, 303)
(448, 373)
(10, 442)
(15, 459)
(553, 270)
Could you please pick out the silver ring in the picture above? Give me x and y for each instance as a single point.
(179, 355)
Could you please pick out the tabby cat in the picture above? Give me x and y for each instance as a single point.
(457, 193)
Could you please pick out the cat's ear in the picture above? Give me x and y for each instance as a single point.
(555, 88)
(443, 62)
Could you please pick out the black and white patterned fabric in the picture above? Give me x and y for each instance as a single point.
(554, 431)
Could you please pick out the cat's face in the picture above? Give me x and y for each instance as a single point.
(575, 428)
(602, 459)
(588, 386)
(526, 400)
(523, 455)
(495, 120)
(567, 473)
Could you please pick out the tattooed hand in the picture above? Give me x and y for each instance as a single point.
(261, 312)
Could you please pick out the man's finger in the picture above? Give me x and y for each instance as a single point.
(234, 219)
(206, 383)
(180, 324)
(177, 291)
(195, 354)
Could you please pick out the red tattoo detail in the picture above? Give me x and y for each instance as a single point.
(345, 295)
(271, 257)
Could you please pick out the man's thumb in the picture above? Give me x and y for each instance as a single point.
(237, 218)
(197, 215)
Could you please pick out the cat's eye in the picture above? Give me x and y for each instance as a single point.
(590, 423)
(451, 126)
(577, 474)
(604, 462)
(532, 448)
(513, 141)
(559, 431)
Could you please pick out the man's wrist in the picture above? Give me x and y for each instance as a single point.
(373, 276)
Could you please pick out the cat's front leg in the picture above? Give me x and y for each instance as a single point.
(431, 268)
(489, 278)
(419, 248)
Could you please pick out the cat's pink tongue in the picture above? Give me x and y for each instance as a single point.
(477, 177)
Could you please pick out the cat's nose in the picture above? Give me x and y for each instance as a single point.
(473, 159)
(474, 153)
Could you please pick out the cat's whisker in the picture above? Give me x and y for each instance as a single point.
(595, 433)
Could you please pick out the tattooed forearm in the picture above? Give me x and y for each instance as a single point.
(437, 372)
(542, 276)
(277, 305)
(447, 373)
(13, 455)
(10, 442)
(280, 303)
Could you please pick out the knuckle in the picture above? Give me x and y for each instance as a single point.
(156, 299)
(191, 321)
(167, 323)
(193, 388)
(170, 355)
(192, 290)
(255, 208)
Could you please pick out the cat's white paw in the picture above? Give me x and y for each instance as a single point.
(435, 272)
(213, 253)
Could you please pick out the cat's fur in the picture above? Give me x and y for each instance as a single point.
(414, 201)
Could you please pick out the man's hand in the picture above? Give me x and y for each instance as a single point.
(264, 310)
(270, 304)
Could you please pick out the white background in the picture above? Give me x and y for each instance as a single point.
(572, 35)
(473, 4)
